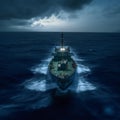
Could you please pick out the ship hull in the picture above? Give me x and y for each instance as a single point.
(63, 83)
(62, 67)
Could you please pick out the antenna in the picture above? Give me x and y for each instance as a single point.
(62, 39)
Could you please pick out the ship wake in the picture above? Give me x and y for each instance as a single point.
(40, 82)
(35, 93)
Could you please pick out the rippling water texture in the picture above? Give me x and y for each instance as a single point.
(27, 93)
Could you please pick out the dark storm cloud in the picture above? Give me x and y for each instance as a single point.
(6, 25)
(26, 9)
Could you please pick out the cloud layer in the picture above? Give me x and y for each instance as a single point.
(26, 9)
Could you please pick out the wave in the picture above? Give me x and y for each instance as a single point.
(36, 92)
(84, 85)
(42, 85)
(41, 68)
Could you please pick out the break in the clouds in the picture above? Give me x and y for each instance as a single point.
(60, 15)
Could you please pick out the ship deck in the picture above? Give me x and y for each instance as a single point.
(69, 68)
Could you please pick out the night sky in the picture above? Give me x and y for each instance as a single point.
(60, 15)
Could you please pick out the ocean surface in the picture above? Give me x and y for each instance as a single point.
(27, 94)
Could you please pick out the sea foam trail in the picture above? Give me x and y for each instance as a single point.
(37, 85)
(83, 85)
(82, 69)
(40, 84)
(41, 68)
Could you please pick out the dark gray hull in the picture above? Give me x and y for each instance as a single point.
(63, 83)
(62, 67)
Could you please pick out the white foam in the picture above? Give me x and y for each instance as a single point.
(47, 60)
(37, 85)
(83, 85)
(41, 85)
(78, 59)
(82, 69)
(75, 56)
(41, 68)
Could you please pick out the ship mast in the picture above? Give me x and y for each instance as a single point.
(62, 40)
(62, 48)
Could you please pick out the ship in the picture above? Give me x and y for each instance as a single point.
(62, 67)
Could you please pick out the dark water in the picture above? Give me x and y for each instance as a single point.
(26, 94)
